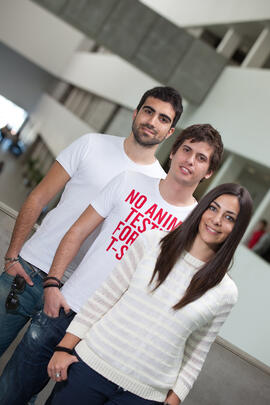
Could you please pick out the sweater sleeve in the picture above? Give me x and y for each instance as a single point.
(110, 291)
(197, 348)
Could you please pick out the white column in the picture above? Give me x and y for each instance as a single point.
(59, 90)
(228, 172)
(259, 52)
(86, 45)
(78, 102)
(195, 32)
(74, 99)
(84, 104)
(230, 42)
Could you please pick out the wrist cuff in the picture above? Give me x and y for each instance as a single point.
(51, 285)
(64, 349)
(54, 279)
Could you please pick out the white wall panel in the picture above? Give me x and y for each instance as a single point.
(108, 76)
(37, 34)
(57, 125)
(238, 106)
(186, 13)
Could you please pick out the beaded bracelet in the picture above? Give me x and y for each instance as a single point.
(11, 259)
(9, 267)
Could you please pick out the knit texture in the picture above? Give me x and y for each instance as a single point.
(132, 336)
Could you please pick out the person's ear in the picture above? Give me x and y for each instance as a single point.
(134, 114)
(170, 132)
(209, 174)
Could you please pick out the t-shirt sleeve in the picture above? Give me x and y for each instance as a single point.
(109, 195)
(72, 156)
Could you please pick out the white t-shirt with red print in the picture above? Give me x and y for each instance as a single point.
(91, 162)
(131, 204)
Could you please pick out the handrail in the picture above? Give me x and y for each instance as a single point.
(8, 210)
(12, 213)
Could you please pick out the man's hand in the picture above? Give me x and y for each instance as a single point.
(52, 183)
(53, 301)
(58, 365)
(16, 268)
(172, 399)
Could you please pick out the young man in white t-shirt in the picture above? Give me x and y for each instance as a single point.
(83, 168)
(129, 205)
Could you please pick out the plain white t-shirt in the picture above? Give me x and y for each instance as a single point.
(91, 162)
(131, 204)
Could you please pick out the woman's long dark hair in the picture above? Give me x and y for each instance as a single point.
(173, 244)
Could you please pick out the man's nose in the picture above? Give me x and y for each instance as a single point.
(152, 120)
(190, 159)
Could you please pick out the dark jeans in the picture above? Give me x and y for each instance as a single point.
(26, 373)
(85, 386)
(31, 301)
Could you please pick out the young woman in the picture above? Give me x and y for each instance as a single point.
(143, 337)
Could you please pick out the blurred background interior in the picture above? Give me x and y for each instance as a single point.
(70, 67)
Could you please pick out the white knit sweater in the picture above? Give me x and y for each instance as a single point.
(134, 338)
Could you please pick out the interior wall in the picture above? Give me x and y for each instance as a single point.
(37, 34)
(238, 106)
(108, 76)
(20, 80)
(57, 125)
(255, 186)
(187, 13)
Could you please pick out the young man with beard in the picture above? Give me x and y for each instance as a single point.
(83, 168)
(129, 205)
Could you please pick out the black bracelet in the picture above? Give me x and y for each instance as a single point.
(64, 349)
(51, 285)
(52, 278)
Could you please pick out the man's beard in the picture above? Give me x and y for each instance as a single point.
(145, 140)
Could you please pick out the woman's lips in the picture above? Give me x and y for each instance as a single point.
(211, 230)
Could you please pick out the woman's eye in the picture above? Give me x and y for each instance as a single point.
(231, 219)
(212, 208)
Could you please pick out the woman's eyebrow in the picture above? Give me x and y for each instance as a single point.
(228, 211)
